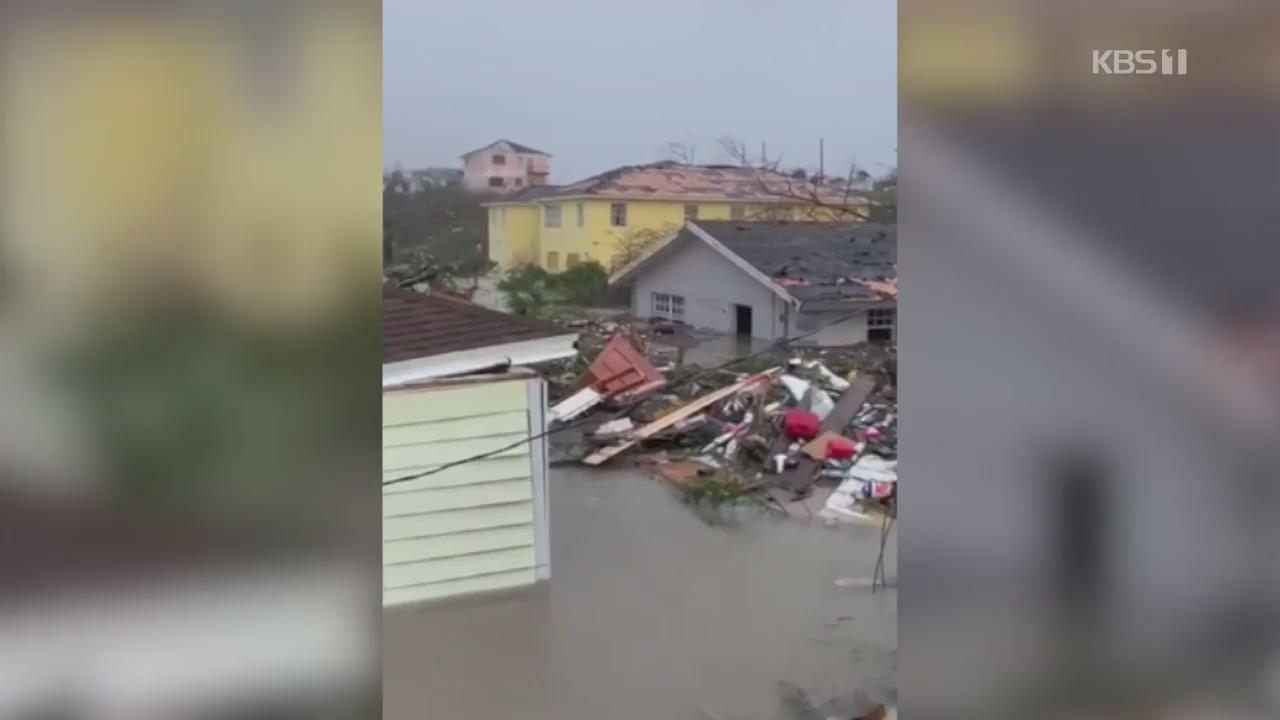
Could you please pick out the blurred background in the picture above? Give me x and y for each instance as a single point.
(189, 220)
(1089, 362)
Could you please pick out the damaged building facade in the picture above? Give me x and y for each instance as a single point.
(819, 283)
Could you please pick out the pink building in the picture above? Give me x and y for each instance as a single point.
(504, 167)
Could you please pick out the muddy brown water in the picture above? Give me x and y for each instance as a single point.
(654, 611)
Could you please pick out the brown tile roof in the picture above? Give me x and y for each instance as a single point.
(416, 325)
(705, 182)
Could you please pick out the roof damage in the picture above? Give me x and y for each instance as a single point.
(818, 261)
(702, 182)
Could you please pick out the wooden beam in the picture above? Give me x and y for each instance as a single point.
(604, 454)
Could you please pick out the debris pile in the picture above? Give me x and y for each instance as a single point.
(755, 428)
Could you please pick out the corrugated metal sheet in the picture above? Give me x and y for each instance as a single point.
(470, 528)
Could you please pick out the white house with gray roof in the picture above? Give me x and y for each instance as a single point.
(820, 283)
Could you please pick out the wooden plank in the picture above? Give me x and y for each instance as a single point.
(604, 454)
(455, 498)
(575, 405)
(465, 586)
(441, 546)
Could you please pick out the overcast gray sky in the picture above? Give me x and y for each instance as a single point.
(603, 83)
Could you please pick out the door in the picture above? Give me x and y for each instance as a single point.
(742, 320)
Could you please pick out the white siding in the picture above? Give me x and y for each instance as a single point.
(473, 527)
(710, 286)
(847, 332)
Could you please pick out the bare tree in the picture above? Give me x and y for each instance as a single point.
(682, 152)
(629, 246)
(737, 151)
(815, 196)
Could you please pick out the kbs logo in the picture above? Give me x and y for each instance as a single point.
(1139, 62)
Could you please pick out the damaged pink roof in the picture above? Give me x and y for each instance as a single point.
(887, 288)
(704, 182)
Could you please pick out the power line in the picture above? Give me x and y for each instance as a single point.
(621, 413)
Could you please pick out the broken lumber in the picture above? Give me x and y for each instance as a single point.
(576, 404)
(671, 418)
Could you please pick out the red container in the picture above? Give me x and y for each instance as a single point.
(840, 448)
(800, 424)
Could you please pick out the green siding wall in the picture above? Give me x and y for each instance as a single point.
(469, 528)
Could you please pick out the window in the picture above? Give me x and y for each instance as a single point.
(880, 322)
(580, 214)
(499, 159)
(571, 260)
(668, 306)
(553, 261)
(551, 216)
(495, 182)
(778, 213)
(737, 212)
(519, 182)
(618, 214)
(690, 212)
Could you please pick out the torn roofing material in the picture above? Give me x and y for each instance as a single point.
(725, 183)
(529, 194)
(415, 325)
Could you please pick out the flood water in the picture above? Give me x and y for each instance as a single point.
(655, 611)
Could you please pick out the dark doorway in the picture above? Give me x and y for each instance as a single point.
(742, 322)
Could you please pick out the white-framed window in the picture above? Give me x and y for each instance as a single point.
(618, 214)
(668, 306)
(737, 212)
(553, 261)
(690, 212)
(880, 323)
(551, 216)
(581, 214)
(495, 181)
(499, 159)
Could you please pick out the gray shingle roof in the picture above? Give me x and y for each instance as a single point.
(826, 255)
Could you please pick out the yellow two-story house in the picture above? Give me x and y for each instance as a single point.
(615, 216)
